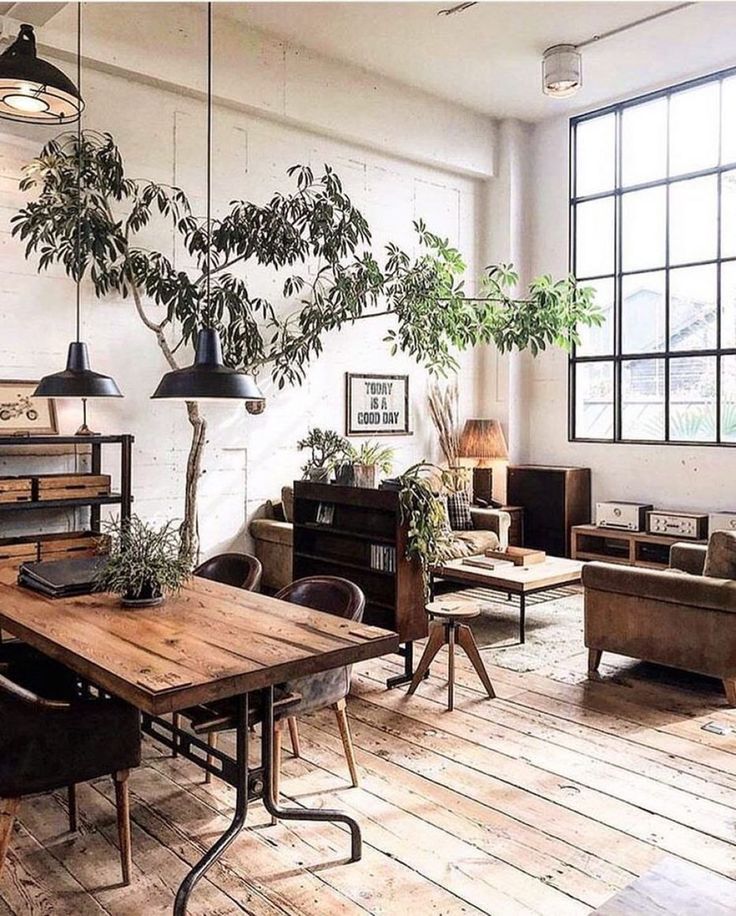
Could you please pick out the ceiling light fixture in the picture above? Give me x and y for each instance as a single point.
(562, 65)
(78, 380)
(208, 378)
(31, 89)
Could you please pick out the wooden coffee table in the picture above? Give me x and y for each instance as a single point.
(514, 580)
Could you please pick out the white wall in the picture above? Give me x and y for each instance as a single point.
(669, 476)
(161, 134)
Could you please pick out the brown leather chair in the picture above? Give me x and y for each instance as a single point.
(238, 569)
(329, 688)
(52, 737)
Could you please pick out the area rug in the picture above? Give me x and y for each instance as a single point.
(554, 626)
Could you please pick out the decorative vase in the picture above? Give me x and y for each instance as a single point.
(365, 475)
(318, 475)
(345, 475)
(149, 596)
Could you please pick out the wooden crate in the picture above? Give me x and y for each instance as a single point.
(68, 545)
(71, 486)
(16, 489)
(14, 551)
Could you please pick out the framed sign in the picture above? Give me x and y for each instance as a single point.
(377, 405)
(22, 414)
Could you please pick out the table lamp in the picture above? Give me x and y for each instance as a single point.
(484, 441)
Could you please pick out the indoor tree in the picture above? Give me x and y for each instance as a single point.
(317, 224)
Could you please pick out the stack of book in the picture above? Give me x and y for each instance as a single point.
(485, 562)
(383, 557)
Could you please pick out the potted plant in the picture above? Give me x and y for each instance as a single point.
(326, 448)
(359, 468)
(145, 562)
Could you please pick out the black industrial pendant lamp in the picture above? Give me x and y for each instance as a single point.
(31, 89)
(78, 380)
(208, 378)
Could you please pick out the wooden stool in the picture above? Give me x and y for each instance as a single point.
(446, 627)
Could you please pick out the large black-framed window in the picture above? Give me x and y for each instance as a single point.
(653, 230)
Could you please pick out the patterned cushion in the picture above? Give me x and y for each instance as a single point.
(720, 560)
(458, 508)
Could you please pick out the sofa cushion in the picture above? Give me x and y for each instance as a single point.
(268, 529)
(287, 503)
(662, 585)
(720, 560)
(458, 510)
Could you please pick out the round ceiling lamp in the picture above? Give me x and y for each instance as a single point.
(562, 71)
(31, 89)
(208, 378)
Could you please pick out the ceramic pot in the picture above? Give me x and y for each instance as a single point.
(148, 597)
(319, 475)
(365, 475)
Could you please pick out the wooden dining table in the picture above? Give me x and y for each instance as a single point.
(209, 642)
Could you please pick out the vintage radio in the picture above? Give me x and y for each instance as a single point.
(622, 515)
(722, 521)
(678, 524)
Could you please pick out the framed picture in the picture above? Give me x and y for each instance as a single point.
(23, 415)
(377, 405)
(325, 513)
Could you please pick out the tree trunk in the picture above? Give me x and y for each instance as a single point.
(190, 526)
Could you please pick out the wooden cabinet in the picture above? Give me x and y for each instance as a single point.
(357, 533)
(554, 499)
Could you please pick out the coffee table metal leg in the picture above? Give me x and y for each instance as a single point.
(241, 811)
(522, 618)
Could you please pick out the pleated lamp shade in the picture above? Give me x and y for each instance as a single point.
(483, 440)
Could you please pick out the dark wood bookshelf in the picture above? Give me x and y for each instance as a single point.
(362, 518)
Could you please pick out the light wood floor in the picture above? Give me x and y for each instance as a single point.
(547, 800)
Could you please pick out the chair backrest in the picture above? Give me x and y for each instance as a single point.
(238, 569)
(326, 593)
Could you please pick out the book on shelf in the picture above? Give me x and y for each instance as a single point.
(325, 514)
(485, 562)
(383, 557)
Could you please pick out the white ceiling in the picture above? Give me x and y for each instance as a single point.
(488, 57)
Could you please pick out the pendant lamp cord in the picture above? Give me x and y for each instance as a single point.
(208, 318)
(78, 246)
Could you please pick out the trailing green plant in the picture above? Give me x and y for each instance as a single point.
(327, 449)
(371, 454)
(317, 225)
(144, 561)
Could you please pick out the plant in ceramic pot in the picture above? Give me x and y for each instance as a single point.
(145, 562)
(326, 448)
(361, 464)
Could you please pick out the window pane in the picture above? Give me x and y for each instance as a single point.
(693, 308)
(693, 399)
(643, 313)
(728, 399)
(594, 397)
(728, 305)
(599, 341)
(643, 229)
(644, 142)
(728, 129)
(694, 129)
(594, 238)
(642, 399)
(694, 220)
(728, 214)
(595, 147)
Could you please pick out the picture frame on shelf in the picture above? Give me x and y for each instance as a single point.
(325, 514)
(23, 415)
(376, 405)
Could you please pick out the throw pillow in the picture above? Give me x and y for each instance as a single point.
(287, 501)
(458, 508)
(720, 560)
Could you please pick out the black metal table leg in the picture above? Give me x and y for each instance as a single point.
(522, 618)
(407, 652)
(296, 814)
(241, 810)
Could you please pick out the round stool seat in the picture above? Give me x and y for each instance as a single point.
(453, 610)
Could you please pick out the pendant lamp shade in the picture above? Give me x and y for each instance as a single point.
(208, 378)
(32, 90)
(77, 380)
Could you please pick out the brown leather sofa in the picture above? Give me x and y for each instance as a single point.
(676, 617)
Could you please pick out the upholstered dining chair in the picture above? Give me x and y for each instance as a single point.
(54, 737)
(241, 570)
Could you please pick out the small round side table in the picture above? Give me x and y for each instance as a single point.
(448, 627)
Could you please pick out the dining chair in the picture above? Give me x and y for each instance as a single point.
(54, 737)
(241, 570)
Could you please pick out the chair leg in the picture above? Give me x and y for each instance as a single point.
(8, 810)
(212, 742)
(176, 722)
(347, 739)
(122, 803)
(294, 735)
(73, 818)
(466, 641)
(594, 659)
(434, 644)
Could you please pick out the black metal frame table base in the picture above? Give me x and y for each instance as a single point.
(250, 783)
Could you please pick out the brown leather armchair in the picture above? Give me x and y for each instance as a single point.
(238, 569)
(53, 737)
